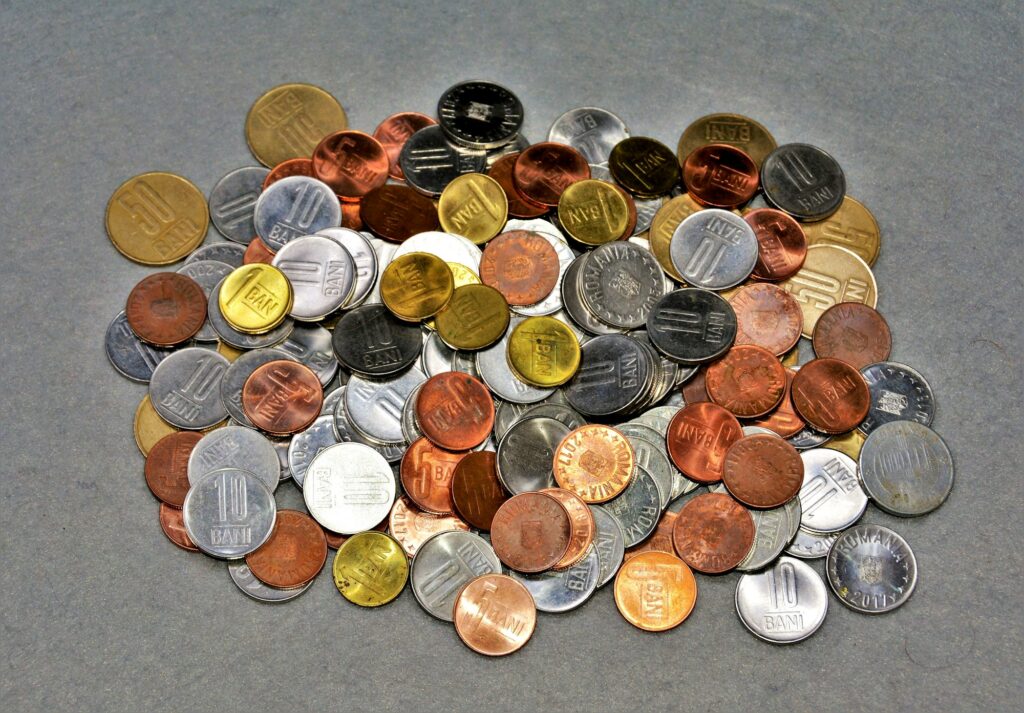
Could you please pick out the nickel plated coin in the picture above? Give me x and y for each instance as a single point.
(447, 246)
(692, 326)
(240, 340)
(253, 588)
(235, 447)
(446, 563)
(637, 509)
(609, 543)
(233, 202)
(410, 428)
(807, 438)
(229, 513)
(480, 115)
(714, 249)
(363, 256)
(804, 181)
(784, 604)
(654, 460)
(831, 498)
(322, 274)
(131, 356)
(526, 454)
(871, 569)
(438, 357)
(294, 207)
(372, 342)
(773, 529)
(207, 274)
(906, 468)
(349, 488)
(621, 282)
(430, 161)
(898, 393)
(562, 590)
(228, 253)
(238, 373)
(592, 131)
(310, 344)
(374, 408)
(614, 374)
(306, 445)
(810, 545)
(572, 300)
(185, 388)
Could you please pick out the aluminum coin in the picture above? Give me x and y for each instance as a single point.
(235, 447)
(185, 388)
(906, 468)
(714, 249)
(784, 604)
(229, 513)
(233, 201)
(293, 207)
(609, 543)
(557, 591)
(349, 488)
(871, 569)
(364, 258)
(898, 393)
(310, 344)
(831, 498)
(444, 564)
(526, 454)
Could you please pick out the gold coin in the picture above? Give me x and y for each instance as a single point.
(593, 212)
(290, 120)
(416, 286)
(830, 275)
(734, 129)
(149, 427)
(157, 218)
(474, 206)
(664, 225)
(475, 317)
(255, 298)
(370, 569)
(655, 591)
(848, 443)
(543, 351)
(462, 275)
(852, 227)
(229, 352)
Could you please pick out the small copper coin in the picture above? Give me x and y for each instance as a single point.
(294, 554)
(783, 419)
(713, 533)
(542, 171)
(695, 390)
(351, 216)
(531, 532)
(655, 591)
(173, 524)
(455, 410)
(720, 176)
(584, 526)
(477, 493)
(396, 212)
(521, 265)
(282, 397)
(830, 395)
(698, 437)
(495, 615)
(781, 244)
(594, 461)
(352, 163)
(287, 169)
(767, 316)
(660, 540)
(854, 333)
(167, 466)
(749, 381)
(519, 206)
(166, 309)
(412, 527)
(763, 471)
(258, 252)
(394, 131)
(426, 473)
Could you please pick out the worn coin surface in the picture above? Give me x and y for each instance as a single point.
(831, 498)
(592, 131)
(621, 283)
(531, 532)
(596, 462)
(289, 120)
(748, 381)
(609, 542)
(871, 569)
(644, 167)
(131, 356)
(412, 526)
(830, 275)
(229, 513)
(185, 388)
(293, 555)
(157, 218)
(544, 171)
(444, 564)
(426, 473)
(733, 129)
(477, 492)
(495, 615)
(349, 488)
(637, 509)
(526, 453)
(655, 591)
(852, 227)
(692, 326)
(370, 569)
(898, 393)
(804, 181)
(713, 533)
(253, 588)
(166, 308)
(763, 471)
(166, 467)
(767, 316)
(783, 604)
(906, 468)
(293, 207)
(522, 265)
(369, 340)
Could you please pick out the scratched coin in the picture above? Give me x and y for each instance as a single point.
(310, 345)
(831, 497)
(293, 555)
(233, 201)
(348, 488)
(804, 181)
(370, 569)
(293, 207)
(898, 393)
(531, 532)
(235, 447)
(621, 283)
(166, 309)
(830, 395)
(131, 356)
(714, 249)
(692, 326)
(713, 533)
(185, 388)
(446, 563)
(906, 468)
(783, 604)
(871, 569)
(166, 467)
(561, 590)
(229, 513)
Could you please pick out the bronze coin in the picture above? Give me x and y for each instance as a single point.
(455, 410)
(519, 206)
(282, 397)
(396, 213)
(426, 474)
(351, 162)
(594, 461)
(294, 554)
(394, 131)
(720, 176)
(494, 615)
(695, 390)
(258, 252)
(521, 265)
(288, 168)
(781, 244)
(767, 316)
(583, 526)
(166, 309)
(166, 466)
(543, 171)
(713, 533)
(477, 493)
(351, 216)
(173, 524)
(830, 395)
(783, 419)
(749, 381)
(854, 333)
(531, 532)
(763, 471)
(698, 437)
(412, 527)
(660, 540)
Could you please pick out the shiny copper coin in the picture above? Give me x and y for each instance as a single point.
(854, 333)
(282, 397)
(655, 591)
(720, 176)
(519, 206)
(660, 540)
(173, 524)
(698, 437)
(767, 316)
(763, 471)
(531, 532)
(351, 163)
(394, 131)
(426, 473)
(294, 554)
(584, 526)
(166, 309)
(258, 252)
(396, 213)
(748, 381)
(830, 395)
(695, 390)
(521, 265)
(455, 410)
(542, 171)
(286, 169)
(412, 527)
(713, 533)
(781, 244)
(351, 216)
(783, 419)
(594, 461)
(631, 217)
(166, 467)
(477, 493)
(495, 615)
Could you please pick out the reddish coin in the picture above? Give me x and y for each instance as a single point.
(830, 395)
(584, 527)
(631, 216)
(781, 244)
(748, 381)
(455, 410)
(767, 316)
(518, 205)
(543, 171)
(294, 554)
(854, 333)
(713, 533)
(531, 532)
(351, 216)
(426, 473)
(494, 615)
(660, 540)
(412, 527)
(351, 163)
(282, 397)
(258, 252)
(167, 466)
(477, 493)
(698, 437)
(394, 131)
(783, 419)
(287, 169)
(521, 265)
(166, 309)
(763, 471)
(695, 390)
(173, 524)
(396, 213)
(720, 176)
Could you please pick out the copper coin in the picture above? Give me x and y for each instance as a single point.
(767, 316)
(351, 216)
(282, 397)
(763, 471)
(426, 473)
(584, 526)
(173, 524)
(695, 390)
(655, 591)
(830, 395)
(748, 381)
(519, 206)
(351, 163)
(543, 171)
(394, 131)
(781, 244)
(294, 554)
(531, 532)
(854, 333)
(412, 527)
(396, 213)
(698, 437)
(594, 461)
(495, 615)
(286, 169)
(166, 309)
(720, 176)
(167, 466)
(455, 410)
(713, 533)
(783, 419)
(521, 265)
(632, 215)
(477, 493)
(258, 252)
(660, 540)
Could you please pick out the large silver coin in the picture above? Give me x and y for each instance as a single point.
(371, 341)
(557, 591)
(906, 468)
(804, 181)
(185, 388)
(235, 447)
(347, 433)
(637, 508)
(231, 254)
(659, 417)
(444, 564)
(238, 372)
(621, 282)
(609, 544)
(492, 364)
(831, 497)
(385, 251)
(784, 604)
(615, 370)
(348, 488)
(536, 225)
(438, 357)
(331, 400)
(131, 356)
(807, 438)
(233, 202)
(525, 455)
(430, 161)
(809, 545)
(251, 587)
(871, 569)
(363, 256)
(898, 393)
(229, 513)
(293, 207)
(553, 302)
(322, 274)
(229, 335)
(557, 411)
(714, 249)
(410, 426)
(306, 445)
(310, 344)
(374, 408)
(590, 130)
(207, 274)
(507, 413)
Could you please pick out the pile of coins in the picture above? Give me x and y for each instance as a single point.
(509, 374)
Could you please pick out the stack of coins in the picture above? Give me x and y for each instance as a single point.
(508, 374)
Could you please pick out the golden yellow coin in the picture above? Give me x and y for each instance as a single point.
(734, 129)
(462, 276)
(792, 357)
(543, 352)
(370, 569)
(475, 317)
(229, 352)
(593, 212)
(474, 206)
(664, 225)
(149, 427)
(255, 298)
(852, 227)
(416, 286)
(157, 218)
(830, 275)
(289, 120)
(848, 443)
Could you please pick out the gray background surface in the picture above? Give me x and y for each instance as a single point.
(921, 105)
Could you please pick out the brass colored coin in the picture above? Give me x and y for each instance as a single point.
(733, 129)
(593, 212)
(830, 275)
(157, 218)
(664, 225)
(475, 318)
(289, 121)
(149, 427)
(255, 298)
(849, 443)
(655, 591)
(544, 352)
(852, 227)
(473, 206)
(370, 569)
(229, 352)
(462, 276)
(416, 286)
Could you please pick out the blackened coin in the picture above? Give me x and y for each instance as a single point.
(692, 326)
(371, 341)
(804, 181)
(480, 115)
(614, 373)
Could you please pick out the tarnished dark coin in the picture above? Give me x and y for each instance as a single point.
(713, 533)
(531, 532)
(644, 167)
(854, 333)
(480, 115)
(371, 341)
(430, 162)
(898, 393)
(804, 181)
(692, 326)
(613, 374)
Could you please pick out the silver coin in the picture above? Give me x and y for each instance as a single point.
(253, 588)
(331, 400)
(492, 365)
(479, 114)
(374, 408)
(773, 529)
(238, 372)
(613, 374)
(348, 488)
(444, 564)
(235, 447)
(466, 363)
(307, 444)
(384, 252)
(229, 335)
(759, 431)
(620, 284)
(506, 413)
(410, 426)
(280, 444)
(831, 498)
(553, 301)
(558, 411)
(536, 225)
(518, 145)
(692, 326)
(437, 356)
(231, 254)
(898, 393)
(185, 388)
(207, 274)
(637, 508)
(430, 161)
(667, 368)
(804, 181)
(784, 604)
(364, 257)
(609, 543)
(561, 590)
(229, 513)
(810, 545)
(590, 130)
(572, 301)
(131, 356)
(526, 453)
(293, 207)
(310, 344)
(681, 485)
(658, 418)
(322, 274)
(646, 209)
(906, 468)
(871, 569)
(650, 457)
(233, 202)
(714, 249)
